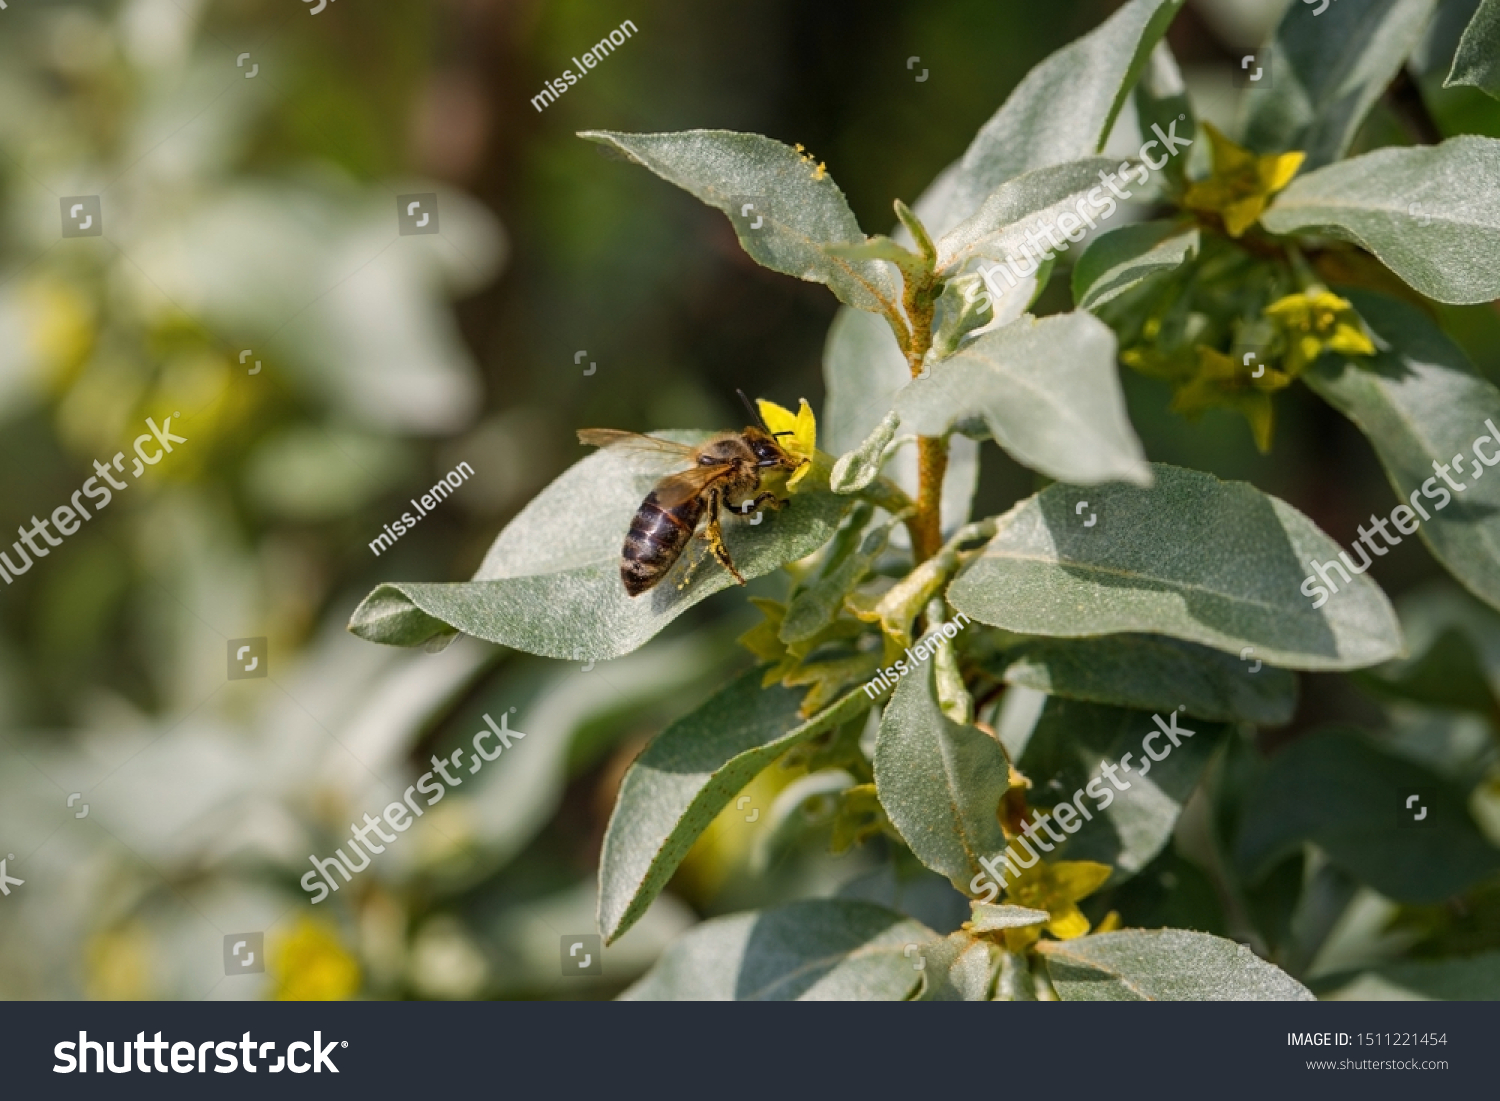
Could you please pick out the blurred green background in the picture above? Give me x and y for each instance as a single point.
(258, 214)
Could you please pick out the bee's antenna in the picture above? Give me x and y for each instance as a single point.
(754, 412)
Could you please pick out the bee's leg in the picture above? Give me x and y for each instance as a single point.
(715, 536)
(760, 498)
(694, 560)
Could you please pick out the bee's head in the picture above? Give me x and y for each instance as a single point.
(768, 452)
(762, 441)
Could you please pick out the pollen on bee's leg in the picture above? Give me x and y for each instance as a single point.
(720, 551)
(692, 567)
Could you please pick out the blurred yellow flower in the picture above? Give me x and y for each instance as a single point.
(803, 441)
(62, 330)
(1241, 184)
(119, 965)
(1056, 888)
(1314, 320)
(1225, 381)
(311, 964)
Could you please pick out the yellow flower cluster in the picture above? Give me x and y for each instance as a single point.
(1241, 184)
(1315, 321)
(1306, 325)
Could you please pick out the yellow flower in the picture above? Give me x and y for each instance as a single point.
(1241, 184)
(62, 329)
(310, 964)
(1056, 888)
(803, 441)
(1315, 320)
(120, 965)
(1224, 381)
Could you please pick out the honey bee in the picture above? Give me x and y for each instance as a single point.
(727, 466)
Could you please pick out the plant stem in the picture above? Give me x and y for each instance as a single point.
(927, 525)
(887, 495)
(918, 300)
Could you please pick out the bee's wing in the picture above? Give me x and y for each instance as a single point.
(674, 489)
(633, 441)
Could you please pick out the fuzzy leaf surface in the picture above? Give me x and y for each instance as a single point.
(811, 950)
(1217, 563)
(1127, 256)
(1477, 60)
(802, 212)
(1339, 790)
(1154, 673)
(688, 775)
(939, 782)
(1430, 213)
(1420, 403)
(1065, 753)
(1063, 109)
(1329, 64)
(1048, 390)
(1164, 965)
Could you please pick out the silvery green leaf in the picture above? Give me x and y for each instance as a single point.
(1420, 403)
(1161, 99)
(1049, 391)
(1164, 965)
(684, 778)
(1016, 983)
(812, 950)
(1424, 211)
(966, 306)
(1435, 52)
(1062, 110)
(1462, 979)
(1477, 60)
(1155, 673)
(858, 468)
(1350, 797)
(1032, 203)
(1134, 813)
(1329, 64)
(953, 695)
(914, 268)
(864, 370)
(1455, 645)
(802, 211)
(989, 917)
(940, 783)
(1217, 563)
(906, 886)
(550, 583)
(958, 968)
(1125, 257)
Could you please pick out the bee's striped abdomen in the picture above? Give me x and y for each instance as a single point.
(656, 538)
